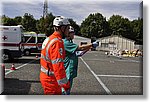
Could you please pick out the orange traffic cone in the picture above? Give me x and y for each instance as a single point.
(3, 66)
(3, 69)
(36, 56)
(13, 67)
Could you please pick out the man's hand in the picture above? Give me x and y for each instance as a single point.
(95, 44)
(79, 53)
(66, 86)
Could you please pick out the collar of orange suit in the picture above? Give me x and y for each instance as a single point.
(57, 34)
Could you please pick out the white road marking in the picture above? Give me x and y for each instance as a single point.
(121, 60)
(7, 69)
(120, 76)
(98, 79)
(20, 66)
(134, 61)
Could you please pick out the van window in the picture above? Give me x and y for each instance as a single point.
(41, 39)
(29, 39)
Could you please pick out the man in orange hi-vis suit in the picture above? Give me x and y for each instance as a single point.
(53, 75)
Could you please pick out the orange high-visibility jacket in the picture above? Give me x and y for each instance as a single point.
(53, 75)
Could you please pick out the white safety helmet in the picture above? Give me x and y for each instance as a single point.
(71, 29)
(60, 21)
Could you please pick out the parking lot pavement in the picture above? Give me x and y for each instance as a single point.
(109, 75)
(98, 74)
(25, 79)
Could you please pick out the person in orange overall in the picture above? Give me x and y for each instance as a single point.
(53, 76)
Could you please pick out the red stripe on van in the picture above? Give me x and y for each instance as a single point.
(30, 44)
(10, 44)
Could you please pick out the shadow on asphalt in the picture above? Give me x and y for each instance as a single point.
(13, 86)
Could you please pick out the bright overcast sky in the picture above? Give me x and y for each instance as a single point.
(78, 10)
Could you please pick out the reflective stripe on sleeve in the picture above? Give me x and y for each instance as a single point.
(57, 60)
(45, 43)
(44, 57)
(62, 81)
(51, 42)
(46, 71)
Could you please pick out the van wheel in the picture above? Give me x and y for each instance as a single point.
(27, 52)
(6, 57)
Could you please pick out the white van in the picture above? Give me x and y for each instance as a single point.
(33, 43)
(11, 42)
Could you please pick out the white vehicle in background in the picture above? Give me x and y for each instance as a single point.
(11, 42)
(33, 43)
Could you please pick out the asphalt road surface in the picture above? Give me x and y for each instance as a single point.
(98, 74)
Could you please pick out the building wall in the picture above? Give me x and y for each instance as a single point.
(115, 43)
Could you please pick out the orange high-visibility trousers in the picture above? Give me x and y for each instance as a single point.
(50, 85)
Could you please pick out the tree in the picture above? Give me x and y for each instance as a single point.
(120, 26)
(95, 25)
(45, 25)
(18, 20)
(28, 22)
(7, 21)
(137, 26)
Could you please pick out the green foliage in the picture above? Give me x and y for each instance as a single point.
(95, 25)
(7, 21)
(45, 25)
(129, 29)
(120, 26)
(137, 27)
(18, 20)
(28, 22)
